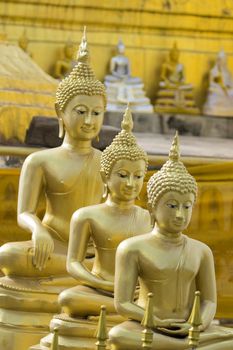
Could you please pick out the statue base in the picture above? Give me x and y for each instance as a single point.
(20, 330)
(75, 333)
(176, 100)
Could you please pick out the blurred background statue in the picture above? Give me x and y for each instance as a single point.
(219, 100)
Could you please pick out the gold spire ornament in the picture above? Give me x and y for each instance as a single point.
(123, 146)
(195, 321)
(81, 80)
(54, 345)
(102, 333)
(148, 323)
(173, 176)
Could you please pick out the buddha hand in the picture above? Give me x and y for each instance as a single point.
(43, 247)
(182, 328)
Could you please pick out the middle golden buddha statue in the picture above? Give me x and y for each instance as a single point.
(174, 95)
(123, 167)
(170, 265)
(69, 178)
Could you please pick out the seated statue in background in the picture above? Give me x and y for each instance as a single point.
(174, 96)
(64, 65)
(123, 167)
(122, 88)
(69, 178)
(220, 93)
(171, 266)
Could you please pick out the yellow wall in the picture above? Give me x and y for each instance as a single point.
(148, 28)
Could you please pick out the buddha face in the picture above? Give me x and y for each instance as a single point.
(126, 179)
(83, 116)
(173, 212)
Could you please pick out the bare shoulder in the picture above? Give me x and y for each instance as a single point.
(42, 156)
(201, 247)
(134, 244)
(89, 213)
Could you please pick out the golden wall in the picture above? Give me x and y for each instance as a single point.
(148, 28)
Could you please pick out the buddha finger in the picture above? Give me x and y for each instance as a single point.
(39, 255)
(45, 256)
(42, 256)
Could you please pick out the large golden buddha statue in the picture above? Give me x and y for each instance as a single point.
(69, 178)
(220, 93)
(174, 95)
(123, 167)
(65, 64)
(170, 265)
(122, 87)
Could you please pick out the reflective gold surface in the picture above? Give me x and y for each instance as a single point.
(123, 167)
(69, 178)
(173, 280)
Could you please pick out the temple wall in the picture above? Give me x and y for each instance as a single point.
(148, 29)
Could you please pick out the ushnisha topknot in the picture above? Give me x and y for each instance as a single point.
(81, 80)
(173, 176)
(123, 146)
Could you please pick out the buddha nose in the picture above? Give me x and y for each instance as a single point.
(179, 213)
(130, 181)
(87, 119)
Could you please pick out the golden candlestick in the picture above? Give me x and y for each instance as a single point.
(54, 345)
(102, 333)
(195, 321)
(147, 322)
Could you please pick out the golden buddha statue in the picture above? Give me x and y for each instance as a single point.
(122, 87)
(170, 265)
(123, 166)
(174, 96)
(220, 93)
(64, 65)
(69, 178)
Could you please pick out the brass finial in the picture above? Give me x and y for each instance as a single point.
(102, 333)
(127, 122)
(147, 322)
(174, 153)
(54, 344)
(83, 52)
(195, 321)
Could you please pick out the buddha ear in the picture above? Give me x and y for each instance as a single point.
(58, 110)
(103, 176)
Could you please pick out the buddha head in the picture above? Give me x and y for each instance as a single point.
(221, 59)
(81, 99)
(171, 193)
(121, 47)
(124, 164)
(69, 50)
(174, 53)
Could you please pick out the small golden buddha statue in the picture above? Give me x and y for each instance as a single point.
(64, 65)
(220, 93)
(69, 178)
(123, 166)
(122, 87)
(174, 96)
(170, 265)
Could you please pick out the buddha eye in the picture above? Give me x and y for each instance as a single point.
(171, 206)
(138, 176)
(122, 175)
(187, 206)
(80, 111)
(96, 113)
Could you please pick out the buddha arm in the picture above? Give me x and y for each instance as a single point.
(126, 276)
(30, 187)
(80, 233)
(206, 284)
